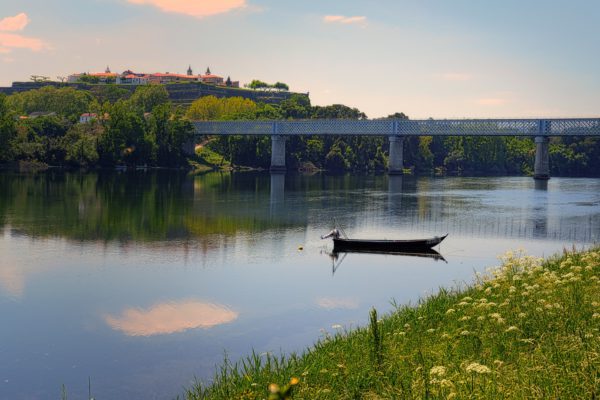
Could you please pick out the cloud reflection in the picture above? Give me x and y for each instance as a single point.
(12, 280)
(331, 303)
(171, 317)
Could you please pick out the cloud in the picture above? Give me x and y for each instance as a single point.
(9, 41)
(341, 19)
(172, 317)
(194, 8)
(16, 23)
(454, 76)
(331, 303)
(491, 101)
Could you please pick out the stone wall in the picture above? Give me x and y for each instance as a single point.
(179, 93)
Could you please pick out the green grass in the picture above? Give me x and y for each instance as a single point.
(528, 329)
(210, 158)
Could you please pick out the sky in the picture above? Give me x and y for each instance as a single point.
(426, 58)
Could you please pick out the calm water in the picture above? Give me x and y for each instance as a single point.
(143, 281)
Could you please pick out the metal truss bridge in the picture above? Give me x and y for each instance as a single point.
(401, 127)
(398, 129)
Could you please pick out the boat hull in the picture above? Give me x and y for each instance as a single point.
(390, 246)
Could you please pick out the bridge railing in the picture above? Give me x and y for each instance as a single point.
(399, 127)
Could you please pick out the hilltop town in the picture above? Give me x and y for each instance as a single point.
(130, 77)
(182, 88)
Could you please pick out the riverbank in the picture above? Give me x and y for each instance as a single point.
(527, 329)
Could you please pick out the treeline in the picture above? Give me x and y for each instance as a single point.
(142, 128)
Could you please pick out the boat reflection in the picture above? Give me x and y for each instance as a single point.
(337, 257)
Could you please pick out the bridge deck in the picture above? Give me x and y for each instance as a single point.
(398, 127)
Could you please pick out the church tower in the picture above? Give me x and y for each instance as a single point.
(189, 71)
(207, 70)
(107, 70)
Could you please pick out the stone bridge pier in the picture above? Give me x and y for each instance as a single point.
(396, 157)
(277, 153)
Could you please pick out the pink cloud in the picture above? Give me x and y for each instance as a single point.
(16, 23)
(194, 8)
(10, 41)
(341, 19)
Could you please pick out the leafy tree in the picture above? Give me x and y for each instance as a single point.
(7, 130)
(66, 101)
(334, 161)
(336, 111)
(257, 84)
(296, 107)
(85, 78)
(169, 133)
(81, 143)
(146, 97)
(281, 86)
(110, 93)
(124, 139)
(205, 109)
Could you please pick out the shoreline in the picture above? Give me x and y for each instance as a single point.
(506, 335)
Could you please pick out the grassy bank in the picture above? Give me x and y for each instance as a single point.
(527, 329)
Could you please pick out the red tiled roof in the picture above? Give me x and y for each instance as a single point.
(102, 74)
(167, 75)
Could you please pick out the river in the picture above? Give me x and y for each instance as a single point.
(141, 282)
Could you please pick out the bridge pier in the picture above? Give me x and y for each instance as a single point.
(277, 153)
(541, 169)
(396, 158)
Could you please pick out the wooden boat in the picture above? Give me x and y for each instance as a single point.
(396, 246)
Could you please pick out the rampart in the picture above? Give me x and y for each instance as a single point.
(179, 93)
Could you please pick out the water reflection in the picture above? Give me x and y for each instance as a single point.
(12, 280)
(277, 193)
(395, 192)
(74, 244)
(171, 317)
(541, 184)
(161, 206)
(332, 303)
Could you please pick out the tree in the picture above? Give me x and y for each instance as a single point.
(334, 160)
(146, 97)
(67, 102)
(281, 86)
(205, 109)
(85, 78)
(81, 143)
(170, 133)
(336, 111)
(256, 84)
(7, 130)
(125, 138)
(110, 93)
